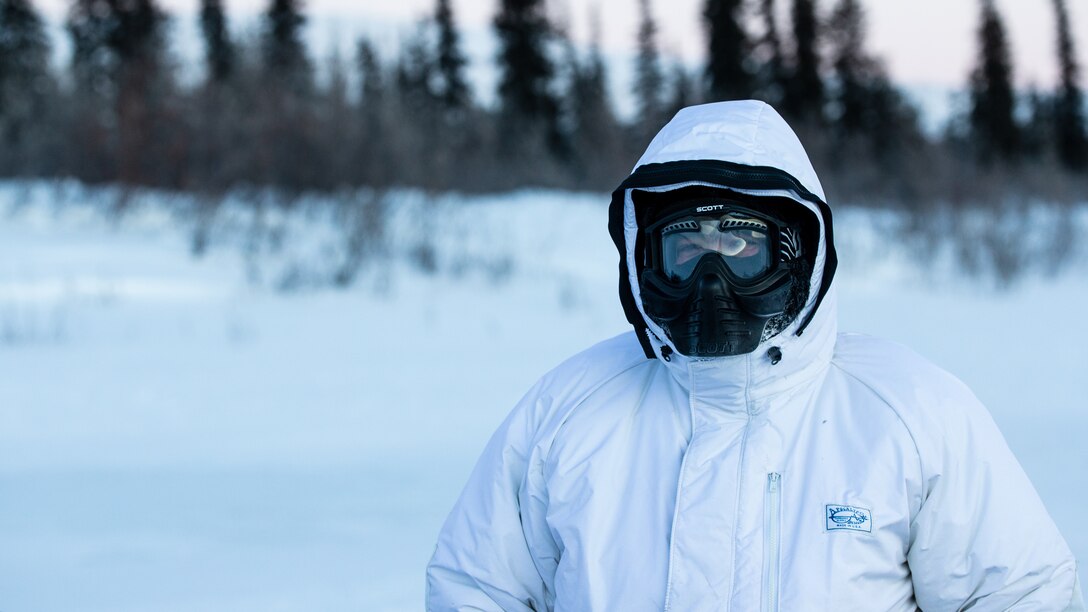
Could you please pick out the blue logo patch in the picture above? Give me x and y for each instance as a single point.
(851, 518)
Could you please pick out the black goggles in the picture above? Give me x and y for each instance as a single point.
(745, 241)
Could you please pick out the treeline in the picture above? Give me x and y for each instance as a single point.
(268, 113)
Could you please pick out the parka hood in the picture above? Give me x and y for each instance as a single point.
(745, 147)
(746, 132)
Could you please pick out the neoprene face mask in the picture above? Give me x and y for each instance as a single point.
(720, 276)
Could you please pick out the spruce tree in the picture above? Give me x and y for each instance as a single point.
(453, 87)
(415, 70)
(596, 137)
(218, 49)
(770, 72)
(649, 83)
(864, 101)
(145, 130)
(24, 50)
(113, 37)
(528, 106)
(125, 88)
(419, 142)
(852, 68)
(90, 26)
(526, 71)
(728, 75)
(682, 90)
(286, 61)
(336, 122)
(1038, 137)
(414, 76)
(285, 107)
(140, 33)
(804, 92)
(1069, 120)
(220, 110)
(374, 165)
(26, 84)
(94, 77)
(371, 80)
(993, 124)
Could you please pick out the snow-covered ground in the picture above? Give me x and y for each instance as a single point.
(174, 436)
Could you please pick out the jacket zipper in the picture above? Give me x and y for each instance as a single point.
(772, 541)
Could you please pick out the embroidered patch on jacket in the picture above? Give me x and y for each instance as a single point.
(851, 518)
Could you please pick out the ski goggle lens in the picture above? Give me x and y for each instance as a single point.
(742, 241)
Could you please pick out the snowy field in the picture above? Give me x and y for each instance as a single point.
(180, 433)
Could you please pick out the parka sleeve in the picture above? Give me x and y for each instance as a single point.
(482, 561)
(982, 539)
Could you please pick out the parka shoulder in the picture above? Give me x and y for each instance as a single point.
(939, 410)
(888, 366)
(568, 384)
(577, 377)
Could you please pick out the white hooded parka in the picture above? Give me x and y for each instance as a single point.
(850, 474)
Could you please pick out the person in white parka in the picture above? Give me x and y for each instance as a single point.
(734, 451)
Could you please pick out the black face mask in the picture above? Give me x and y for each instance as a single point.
(713, 295)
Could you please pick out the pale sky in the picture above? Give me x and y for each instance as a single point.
(923, 42)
